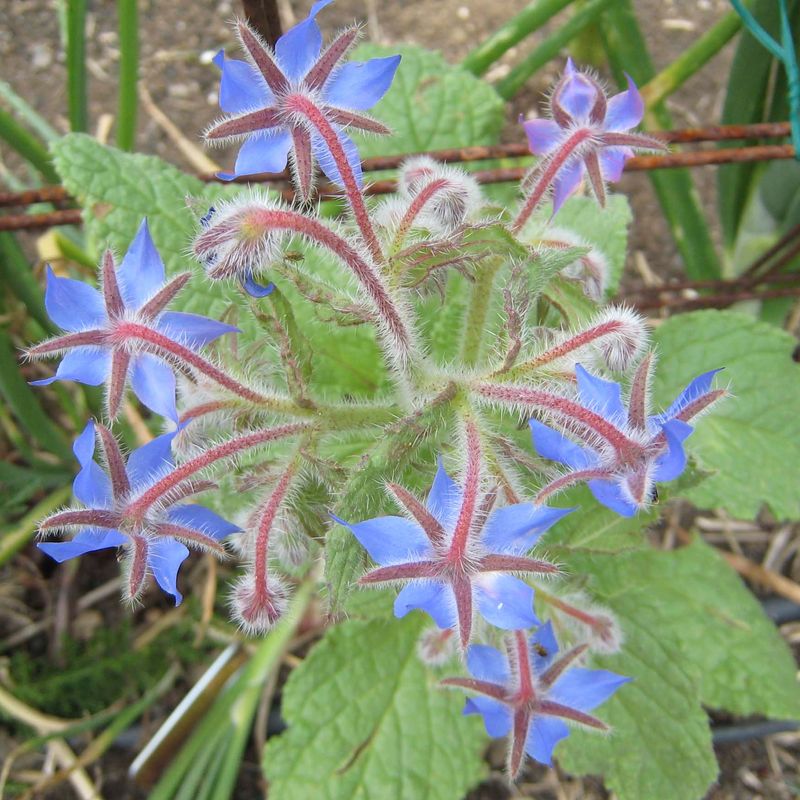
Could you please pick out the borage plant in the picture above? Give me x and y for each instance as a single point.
(468, 326)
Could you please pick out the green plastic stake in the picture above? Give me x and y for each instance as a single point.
(785, 53)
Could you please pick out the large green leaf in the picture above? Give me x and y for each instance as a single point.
(367, 720)
(694, 636)
(431, 105)
(751, 441)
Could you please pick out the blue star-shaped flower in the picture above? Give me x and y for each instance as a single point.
(108, 330)
(457, 553)
(580, 109)
(531, 694)
(277, 99)
(155, 542)
(623, 477)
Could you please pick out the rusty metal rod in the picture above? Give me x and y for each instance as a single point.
(714, 301)
(711, 133)
(510, 174)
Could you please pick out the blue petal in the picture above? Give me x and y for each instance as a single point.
(697, 388)
(543, 638)
(577, 95)
(445, 498)
(549, 443)
(92, 487)
(151, 461)
(84, 444)
(673, 462)
(391, 540)
(202, 519)
(154, 384)
(487, 664)
(165, 557)
(299, 47)
(255, 289)
(604, 397)
(516, 528)
(141, 273)
(625, 110)
(505, 601)
(612, 162)
(543, 135)
(544, 734)
(87, 541)
(191, 329)
(241, 86)
(433, 598)
(359, 85)
(566, 183)
(73, 305)
(585, 689)
(496, 716)
(611, 496)
(264, 152)
(328, 165)
(87, 365)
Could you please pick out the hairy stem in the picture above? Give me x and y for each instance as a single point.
(477, 313)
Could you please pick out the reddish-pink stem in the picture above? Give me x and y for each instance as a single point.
(419, 202)
(463, 526)
(571, 478)
(573, 343)
(564, 408)
(169, 347)
(80, 339)
(548, 175)
(232, 447)
(525, 691)
(265, 522)
(111, 293)
(304, 106)
(89, 516)
(279, 219)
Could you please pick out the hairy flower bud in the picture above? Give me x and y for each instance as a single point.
(235, 239)
(256, 605)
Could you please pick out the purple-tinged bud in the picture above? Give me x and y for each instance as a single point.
(237, 240)
(257, 605)
(441, 198)
(591, 269)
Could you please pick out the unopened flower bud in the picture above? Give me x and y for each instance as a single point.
(257, 605)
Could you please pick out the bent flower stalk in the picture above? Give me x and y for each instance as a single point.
(416, 326)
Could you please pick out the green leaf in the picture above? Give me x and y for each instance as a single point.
(117, 190)
(594, 527)
(694, 636)
(431, 105)
(367, 720)
(751, 441)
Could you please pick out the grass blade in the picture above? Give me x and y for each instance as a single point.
(550, 48)
(25, 529)
(27, 113)
(27, 145)
(530, 19)
(17, 276)
(128, 73)
(77, 99)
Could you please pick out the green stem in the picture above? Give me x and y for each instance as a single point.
(550, 48)
(530, 19)
(128, 73)
(14, 540)
(477, 313)
(27, 145)
(27, 113)
(25, 404)
(76, 65)
(684, 67)
(17, 276)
